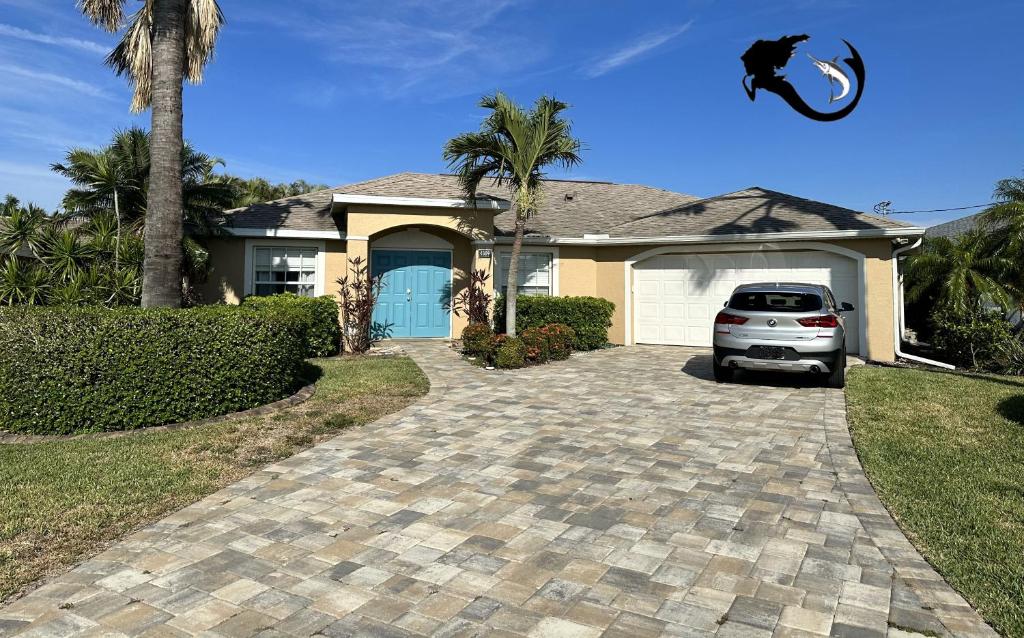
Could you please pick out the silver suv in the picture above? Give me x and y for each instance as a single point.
(781, 326)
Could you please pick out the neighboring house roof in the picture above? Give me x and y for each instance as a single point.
(574, 208)
(954, 228)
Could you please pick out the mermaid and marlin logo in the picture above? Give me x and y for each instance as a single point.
(765, 57)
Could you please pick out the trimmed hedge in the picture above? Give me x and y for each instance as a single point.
(560, 340)
(72, 370)
(478, 340)
(589, 317)
(509, 352)
(323, 331)
(536, 342)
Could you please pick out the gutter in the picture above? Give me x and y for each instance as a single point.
(897, 317)
(603, 240)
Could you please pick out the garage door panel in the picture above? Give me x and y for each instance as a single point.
(676, 296)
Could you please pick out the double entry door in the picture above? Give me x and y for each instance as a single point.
(416, 289)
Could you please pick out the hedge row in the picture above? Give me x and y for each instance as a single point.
(323, 332)
(71, 370)
(589, 317)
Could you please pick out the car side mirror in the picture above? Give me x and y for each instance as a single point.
(846, 306)
(726, 304)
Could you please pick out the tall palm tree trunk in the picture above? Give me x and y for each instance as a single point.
(161, 278)
(117, 240)
(513, 276)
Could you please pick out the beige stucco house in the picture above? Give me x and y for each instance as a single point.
(668, 261)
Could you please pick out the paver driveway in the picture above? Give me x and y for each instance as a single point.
(621, 492)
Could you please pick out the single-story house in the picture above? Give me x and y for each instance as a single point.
(667, 260)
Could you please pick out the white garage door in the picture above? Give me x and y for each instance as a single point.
(676, 297)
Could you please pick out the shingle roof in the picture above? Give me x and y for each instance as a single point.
(748, 211)
(955, 227)
(572, 208)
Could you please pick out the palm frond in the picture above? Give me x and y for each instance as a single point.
(108, 14)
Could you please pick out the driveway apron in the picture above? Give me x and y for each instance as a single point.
(620, 493)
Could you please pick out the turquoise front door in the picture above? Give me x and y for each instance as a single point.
(416, 288)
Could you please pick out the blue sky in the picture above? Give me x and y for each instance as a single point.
(335, 92)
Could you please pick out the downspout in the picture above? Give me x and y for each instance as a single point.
(897, 317)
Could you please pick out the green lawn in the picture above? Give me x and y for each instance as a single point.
(61, 501)
(945, 452)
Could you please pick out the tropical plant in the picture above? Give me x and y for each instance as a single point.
(46, 261)
(359, 292)
(513, 148)
(1005, 221)
(474, 301)
(257, 189)
(164, 43)
(116, 178)
(962, 275)
(20, 227)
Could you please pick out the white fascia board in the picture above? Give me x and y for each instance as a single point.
(910, 231)
(285, 233)
(427, 202)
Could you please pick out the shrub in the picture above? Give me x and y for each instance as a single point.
(323, 333)
(971, 341)
(589, 317)
(478, 340)
(560, 340)
(359, 292)
(536, 342)
(70, 370)
(509, 352)
(1011, 356)
(474, 301)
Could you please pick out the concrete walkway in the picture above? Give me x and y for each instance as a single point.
(620, 493)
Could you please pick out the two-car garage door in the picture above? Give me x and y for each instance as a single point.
(676, 297)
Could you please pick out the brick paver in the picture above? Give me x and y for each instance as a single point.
(620, 493)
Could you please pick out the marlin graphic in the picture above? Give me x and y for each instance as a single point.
(765, 58)
(831, 70)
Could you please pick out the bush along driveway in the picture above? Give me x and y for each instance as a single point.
(946, 454)
(61, 501)
(618, 493)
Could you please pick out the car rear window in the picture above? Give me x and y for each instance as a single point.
(775, 301)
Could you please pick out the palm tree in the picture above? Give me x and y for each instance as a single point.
(961, 275)
(513, 147)
(116, 178)
(165, 42)
(1007, 214)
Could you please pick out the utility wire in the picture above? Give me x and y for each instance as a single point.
(883, 208)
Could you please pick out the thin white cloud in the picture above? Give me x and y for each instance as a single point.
(629, 53)
(42, 38)
(52, 78)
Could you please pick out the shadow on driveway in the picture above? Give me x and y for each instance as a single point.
(699, 366)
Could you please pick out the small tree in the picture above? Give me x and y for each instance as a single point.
(474, 300)
(513, 148)
(359, 292)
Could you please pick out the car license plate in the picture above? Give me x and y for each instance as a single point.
(770, 352)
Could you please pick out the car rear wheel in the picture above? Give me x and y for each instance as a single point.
(723, 374)
(837, 378)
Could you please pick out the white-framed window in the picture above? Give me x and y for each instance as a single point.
(536, 274)
(278, 269)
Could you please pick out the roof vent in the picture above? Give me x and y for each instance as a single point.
(571, 196)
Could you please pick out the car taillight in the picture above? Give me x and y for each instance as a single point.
(731, 320)
(824, 321)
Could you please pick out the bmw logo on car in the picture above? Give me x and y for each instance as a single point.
(772, 323)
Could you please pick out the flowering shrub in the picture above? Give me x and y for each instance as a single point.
(478, 340)
(536, 342)
(560, 339)
(509, 352)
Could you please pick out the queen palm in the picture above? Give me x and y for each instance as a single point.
(513, 148)
(164, 43)
(961, 275)
(1005, 220)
